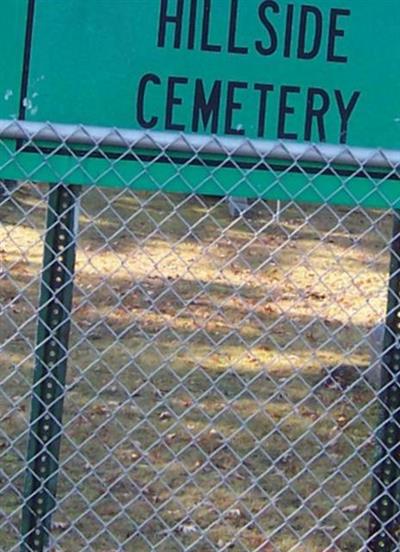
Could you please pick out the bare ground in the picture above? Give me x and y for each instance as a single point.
(216, 397)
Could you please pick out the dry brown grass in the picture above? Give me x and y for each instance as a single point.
(197, 413)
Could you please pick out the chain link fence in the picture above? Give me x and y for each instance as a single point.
(223, 363)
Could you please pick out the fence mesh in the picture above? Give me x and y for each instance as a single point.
(222, 371)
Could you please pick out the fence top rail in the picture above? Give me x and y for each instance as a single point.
(341, 155)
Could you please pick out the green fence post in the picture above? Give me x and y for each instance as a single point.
(384, 515)
(50, 368)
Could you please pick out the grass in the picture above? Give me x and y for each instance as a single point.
(198, 414)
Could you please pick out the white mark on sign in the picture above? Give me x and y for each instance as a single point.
(26, 102)
(8, 94)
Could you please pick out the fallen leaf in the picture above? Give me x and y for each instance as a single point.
(327, 527)
(99, 409)
(350, 508)
(186, 528)
(60, 525)
(234, 513)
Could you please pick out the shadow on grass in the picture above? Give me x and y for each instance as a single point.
(196, 414)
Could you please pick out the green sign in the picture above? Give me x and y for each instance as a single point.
(317, 71)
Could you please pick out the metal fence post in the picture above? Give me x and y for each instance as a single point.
(384, 517)
(50, 367)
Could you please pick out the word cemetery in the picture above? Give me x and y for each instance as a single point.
(292, 112)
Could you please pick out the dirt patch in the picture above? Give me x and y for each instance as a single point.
(216, 397)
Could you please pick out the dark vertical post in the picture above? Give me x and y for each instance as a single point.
(50, 368)
(384, 516)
